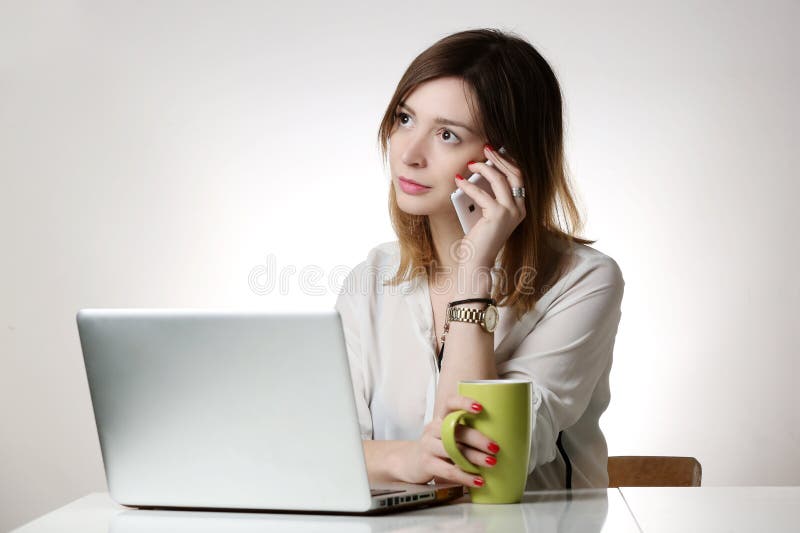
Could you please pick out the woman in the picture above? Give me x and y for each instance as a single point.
(558, 299)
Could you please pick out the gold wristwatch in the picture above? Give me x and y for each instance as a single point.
(487, 318)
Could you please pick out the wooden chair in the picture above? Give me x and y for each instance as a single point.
(653, 471)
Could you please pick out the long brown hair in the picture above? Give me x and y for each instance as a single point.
(519, 107)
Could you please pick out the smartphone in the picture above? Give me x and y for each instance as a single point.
(468, 211)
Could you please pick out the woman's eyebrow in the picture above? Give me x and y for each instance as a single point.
(440, 120)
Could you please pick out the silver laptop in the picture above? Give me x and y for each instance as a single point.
(232, 409)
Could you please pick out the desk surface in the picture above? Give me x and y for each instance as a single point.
(649, 510)
(712, 509)
(586, 510)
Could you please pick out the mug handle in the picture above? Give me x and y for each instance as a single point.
(449, 440)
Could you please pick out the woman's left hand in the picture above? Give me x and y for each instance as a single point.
(500, 214)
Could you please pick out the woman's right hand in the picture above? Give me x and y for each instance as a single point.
(426, 458)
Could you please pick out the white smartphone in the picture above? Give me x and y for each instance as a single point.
(467, 210)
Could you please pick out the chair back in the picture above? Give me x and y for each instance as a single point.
(653, 471)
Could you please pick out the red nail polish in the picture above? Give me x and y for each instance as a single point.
(477, 407)
(458, 176)
(494, 448)
(478, 481)
(491, 460)
(471, 162)
(489, 147)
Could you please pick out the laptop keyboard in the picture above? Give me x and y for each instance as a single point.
(381, 492)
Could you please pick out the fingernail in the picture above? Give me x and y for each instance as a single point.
(458, 176)
(489, 147)
(471, 163)
(493, 447)
(491, 460)
(478, 481)
(477, 407)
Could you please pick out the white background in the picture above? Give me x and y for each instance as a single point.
(152, 154)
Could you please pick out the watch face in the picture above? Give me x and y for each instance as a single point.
(490, 318)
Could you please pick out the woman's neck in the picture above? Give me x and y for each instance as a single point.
(445, 232)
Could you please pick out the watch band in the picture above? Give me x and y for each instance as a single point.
(463, 314)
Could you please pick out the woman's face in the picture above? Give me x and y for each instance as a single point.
(433, 139)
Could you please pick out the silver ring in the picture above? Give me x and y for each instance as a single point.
(518, 192)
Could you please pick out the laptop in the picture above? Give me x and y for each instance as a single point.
(232, 409)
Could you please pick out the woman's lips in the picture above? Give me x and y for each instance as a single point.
(411, 187)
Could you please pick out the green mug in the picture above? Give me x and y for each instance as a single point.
(506, 419)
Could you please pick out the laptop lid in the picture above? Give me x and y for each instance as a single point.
(225, 409)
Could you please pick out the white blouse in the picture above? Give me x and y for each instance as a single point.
(564, 345)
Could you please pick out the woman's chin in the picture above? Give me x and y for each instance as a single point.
(423, 204)
(413, 206)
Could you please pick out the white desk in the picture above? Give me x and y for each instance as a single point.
(712, 509)
(657, 510)
(543, 512)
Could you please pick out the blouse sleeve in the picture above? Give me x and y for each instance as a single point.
(566, 354)
(348, 311)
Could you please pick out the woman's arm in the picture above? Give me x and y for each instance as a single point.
(567, 352)
(348, 310)
(469, 349)
(383, 458)
(425, 459)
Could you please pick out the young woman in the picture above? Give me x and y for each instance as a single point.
(558, 299)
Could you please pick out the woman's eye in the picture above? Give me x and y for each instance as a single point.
(445, 132)
(450, 135)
